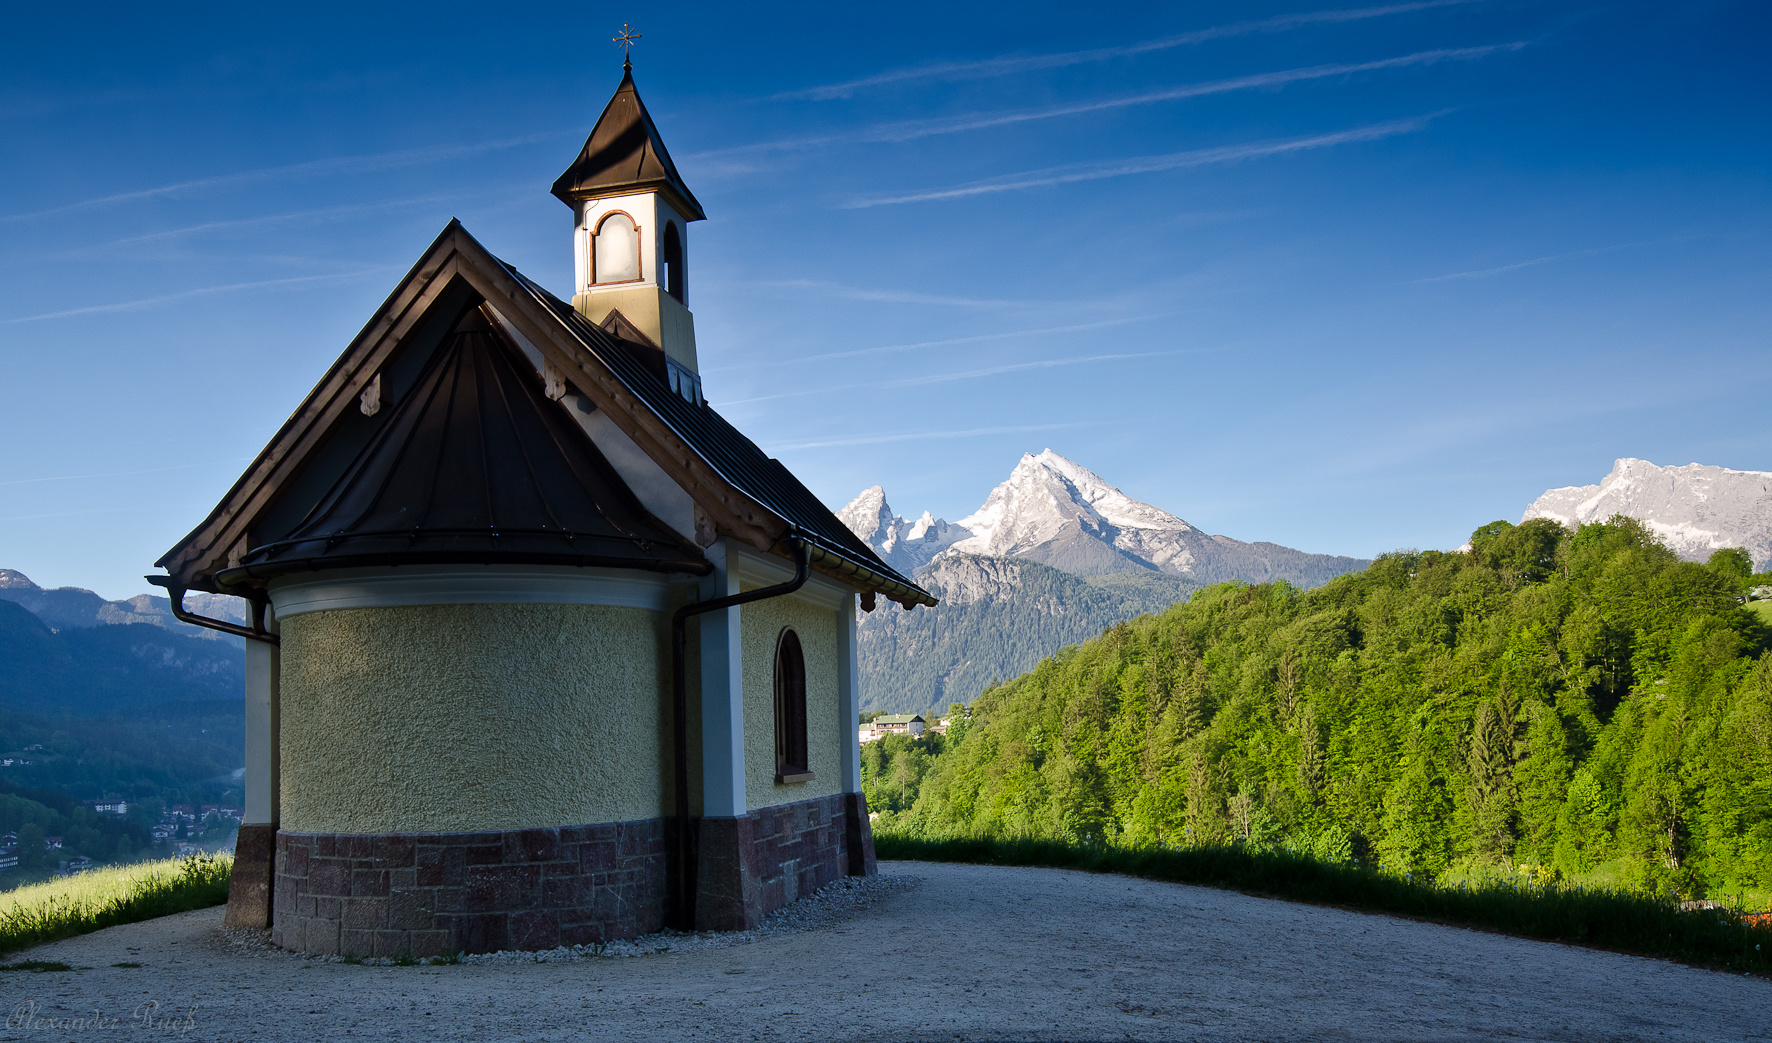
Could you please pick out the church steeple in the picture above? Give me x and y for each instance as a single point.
(625, 154)
(631, 212)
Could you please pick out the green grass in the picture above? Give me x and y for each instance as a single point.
(36, 966)
(101, 898)
(1602, 918)
(1763, 609)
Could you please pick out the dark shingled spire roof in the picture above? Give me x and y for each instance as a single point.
(476, 466)
(625, 154)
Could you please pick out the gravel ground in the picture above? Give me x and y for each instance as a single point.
(927, 951)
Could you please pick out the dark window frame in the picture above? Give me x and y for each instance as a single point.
(791, 754)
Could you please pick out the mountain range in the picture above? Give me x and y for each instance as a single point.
(1063, 515)
(77, 608)
(116, 697)
(1695, 509)
(1053, 556)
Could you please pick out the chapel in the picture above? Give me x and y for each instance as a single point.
(542, 651)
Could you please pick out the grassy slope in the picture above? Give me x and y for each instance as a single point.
(91, 901)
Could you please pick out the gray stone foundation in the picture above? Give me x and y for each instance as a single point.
(422, 894)
(249, 886)
(750, 866)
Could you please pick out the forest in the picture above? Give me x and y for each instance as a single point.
(1575, 706)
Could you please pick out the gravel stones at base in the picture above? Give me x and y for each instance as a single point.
(833, 904)
(964, 952)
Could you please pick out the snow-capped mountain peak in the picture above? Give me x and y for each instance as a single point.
(905, 545)
(1059, 513)
(867, 515)
(1695, 509)
(1047, 495)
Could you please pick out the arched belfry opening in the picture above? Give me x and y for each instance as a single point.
(673, 263)
(615, 252)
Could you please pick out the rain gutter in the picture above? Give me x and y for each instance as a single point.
(255, 632)
(686, 848)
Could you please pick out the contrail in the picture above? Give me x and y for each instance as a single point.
(200, 292)
(1149, 164)
(991, 67)
(311, 168)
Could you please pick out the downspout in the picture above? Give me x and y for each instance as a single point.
(255, 632)
(685, 875)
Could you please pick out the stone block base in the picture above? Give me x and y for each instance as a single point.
(249, 887)
(750, 866)
(422, 894)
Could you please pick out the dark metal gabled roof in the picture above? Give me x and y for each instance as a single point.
(475, 465)
(625, 153)
(738, 460)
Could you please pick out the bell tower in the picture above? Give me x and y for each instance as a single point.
(631, 214)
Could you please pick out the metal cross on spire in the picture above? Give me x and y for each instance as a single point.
(626, 42)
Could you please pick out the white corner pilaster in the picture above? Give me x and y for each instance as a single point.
(849, 698)
(722, 692)
(263, 752)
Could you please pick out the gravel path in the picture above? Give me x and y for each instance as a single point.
(928, 952)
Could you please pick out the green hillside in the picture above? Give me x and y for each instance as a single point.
(1583, 704)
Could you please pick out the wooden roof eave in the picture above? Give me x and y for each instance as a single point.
(221, 536)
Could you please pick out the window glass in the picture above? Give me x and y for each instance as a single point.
(790, 705)
(617, 250)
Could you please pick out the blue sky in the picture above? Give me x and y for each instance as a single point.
(1347, 278)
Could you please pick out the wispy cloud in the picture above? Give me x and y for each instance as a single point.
(65, 514)
(855, 293)
(266, 219)
(946, 378)
(980, 338)
(1516, 266)
(1548, 258)
(204, 291)
(1011, 64)
(121, 474)
(911, 130)
(1148, 164)
(312, 168)
(919, 436)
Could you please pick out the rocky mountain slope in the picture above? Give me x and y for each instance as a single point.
(1695, 509)
(997, 618)
(1053, 556)
(115, 698)
(106, 668)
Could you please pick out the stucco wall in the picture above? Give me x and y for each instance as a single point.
(819, 630)
(446, 718)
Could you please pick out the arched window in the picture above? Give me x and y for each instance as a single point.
(790, 710)
(673, 262)
(616, 254)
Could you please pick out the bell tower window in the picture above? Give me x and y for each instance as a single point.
(673, 262)
(615, 251)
